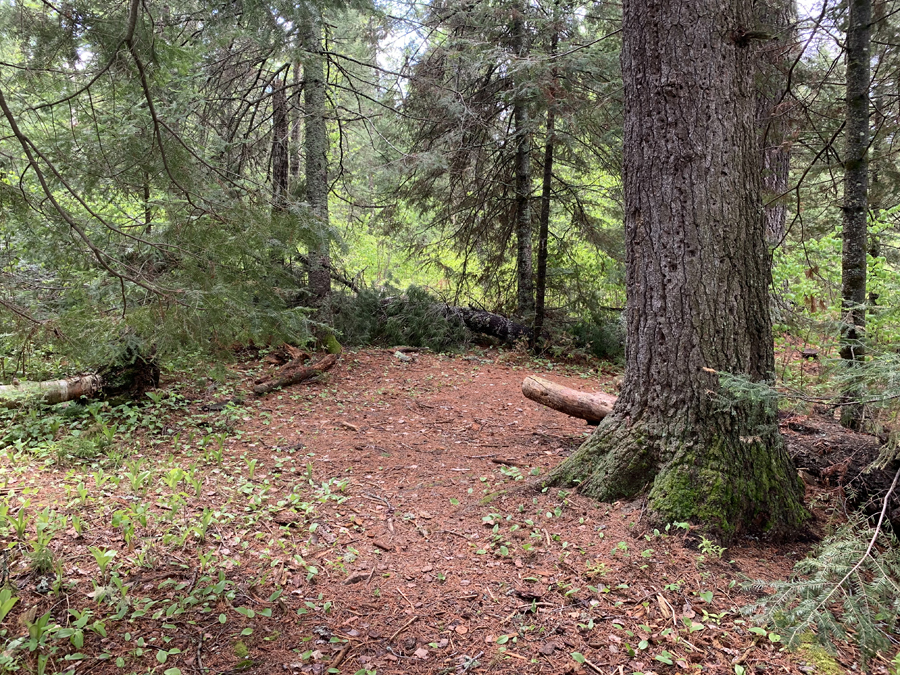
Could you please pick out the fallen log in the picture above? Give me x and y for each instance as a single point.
(51, 391)
(295, 372)
(478, 321)
(583, 405)
(488, 323)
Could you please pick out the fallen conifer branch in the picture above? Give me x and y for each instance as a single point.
(295, 372)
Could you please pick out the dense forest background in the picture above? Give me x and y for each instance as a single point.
(174, 177)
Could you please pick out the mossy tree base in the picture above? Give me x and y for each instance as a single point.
(726, 483)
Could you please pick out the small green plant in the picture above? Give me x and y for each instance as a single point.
(173, 477)
(41, 556)
(595, 569)
(103, 557)
(206, 519)
(21, 521)
(665, 657)
(709, 547)
(7, 602)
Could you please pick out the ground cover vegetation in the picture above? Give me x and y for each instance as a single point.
(693, 208)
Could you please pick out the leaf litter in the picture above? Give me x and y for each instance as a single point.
(378, 519)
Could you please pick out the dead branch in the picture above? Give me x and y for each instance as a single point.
(295, 372)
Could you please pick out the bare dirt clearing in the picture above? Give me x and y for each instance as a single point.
(373, 520)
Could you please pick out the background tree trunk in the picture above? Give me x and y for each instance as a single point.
(316, 141)
(280, 157)
(296, 121)
(856, 186)
(524, 265)
(698, 273)
(540, 291)
(775, 18)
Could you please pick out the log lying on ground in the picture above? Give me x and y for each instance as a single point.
(480, 321)
(295, 372)
(583, 405)
(495, 325)
(52, 391)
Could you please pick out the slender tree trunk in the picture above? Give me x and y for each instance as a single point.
(546, 189)
(148, 209)
(775, 17)
(697, 277)
(524, 266)
(877, 187)
(856, 185)
(316, 141)
(296, 122)
(280, 158)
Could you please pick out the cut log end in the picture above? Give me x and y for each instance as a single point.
(592, 407)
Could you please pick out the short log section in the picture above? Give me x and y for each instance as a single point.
(50, 392)
(592, 407)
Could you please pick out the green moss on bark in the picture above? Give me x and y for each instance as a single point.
(724, 485)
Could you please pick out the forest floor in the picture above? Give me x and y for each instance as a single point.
(378, 519)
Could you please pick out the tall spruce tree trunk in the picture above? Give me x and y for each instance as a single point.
(524, 265)
(316, 142)
(856, 185)
(296, 122)
(698, 273)
(540, 290)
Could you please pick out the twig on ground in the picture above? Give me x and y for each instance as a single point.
(340, 656)
(739, 659)
(402, 628)
(407, 599)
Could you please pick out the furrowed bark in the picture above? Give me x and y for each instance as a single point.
(316, 145)
(280, 157)
(697, 277)
(524, 263)
(776, 17)
(540, 291)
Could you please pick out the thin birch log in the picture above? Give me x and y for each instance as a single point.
(51, 391)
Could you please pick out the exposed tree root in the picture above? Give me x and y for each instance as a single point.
(727, 483)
